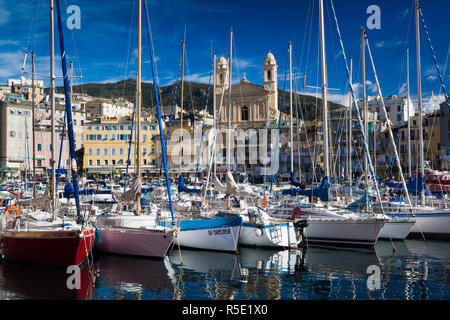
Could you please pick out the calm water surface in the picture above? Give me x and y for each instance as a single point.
(415, 270)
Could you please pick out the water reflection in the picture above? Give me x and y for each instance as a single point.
(410, 269)
(23, 281)
(123, 277)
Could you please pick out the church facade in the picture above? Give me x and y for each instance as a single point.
(251, 103)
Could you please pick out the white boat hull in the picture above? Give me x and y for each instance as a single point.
(396, 229)
(432, 224)
(362, 232)
(281, 235)
(219, 239)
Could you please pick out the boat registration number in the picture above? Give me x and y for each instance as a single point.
(219, 232)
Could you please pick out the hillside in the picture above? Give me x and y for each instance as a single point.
(194, 95)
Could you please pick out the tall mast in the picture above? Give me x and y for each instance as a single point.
(350, 127)
(52, 104)
(290, 105)
(181, 104)
(419, 103)
(214, 106)
(229, 144)
(138, 108)
(33, 136)
(366, 116)
(409, 112)
(324, 91)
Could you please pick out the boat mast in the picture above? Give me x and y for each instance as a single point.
(419, 105)
(366, 116)
(290, 105)
(214, 106)
(138, 108)
(350, 127)
(52, 104)
(181, 105)
(33, 93)
(228, 153)
(409, 112)
(324, 92)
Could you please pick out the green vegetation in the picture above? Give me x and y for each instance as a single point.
(194, 96)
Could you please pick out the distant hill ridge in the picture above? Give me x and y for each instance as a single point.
(194, 95)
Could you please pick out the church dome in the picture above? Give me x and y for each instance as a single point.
(270, 59)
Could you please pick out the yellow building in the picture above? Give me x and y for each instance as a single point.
(107, 142)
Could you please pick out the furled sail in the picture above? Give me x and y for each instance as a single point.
(183, 188)
(321, 192)
(130, 195)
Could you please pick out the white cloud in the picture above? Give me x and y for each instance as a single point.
(390, 44)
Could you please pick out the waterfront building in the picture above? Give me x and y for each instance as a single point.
(444, 122)
(23, 86)
(15, 127)
(396, 108)
(109, 108)
(106, 144)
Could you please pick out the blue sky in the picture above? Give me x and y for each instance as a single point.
(104, 49)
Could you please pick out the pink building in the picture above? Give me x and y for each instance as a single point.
(44, 147)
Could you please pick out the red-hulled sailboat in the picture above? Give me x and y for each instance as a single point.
(39, 240)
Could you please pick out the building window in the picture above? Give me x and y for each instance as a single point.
(121, 151)
(145, 150)
(39, 147)
(113, 151)
(153, 161)
(244, 113)
(39, 163)
(12, 134)
(113, 162)
(98, 162)
(90, 151)
(269, 75)
(105, 151)
(153, 150)
(113, 137)
(106, 162)
(145, 161)
(90, 162)
(98, 151)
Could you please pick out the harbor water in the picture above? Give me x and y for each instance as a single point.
(415, 270)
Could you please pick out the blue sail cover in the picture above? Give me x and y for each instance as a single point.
(68, 190)
(210, 223)
(295, 182)
(183, 188)
(321, 192)
(413, 185)
(360, 203)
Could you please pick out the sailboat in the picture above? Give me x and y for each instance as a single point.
(205, 232)
(56, 241)
(326, 223)
(258, 228)
(431, 222)
(134, 233)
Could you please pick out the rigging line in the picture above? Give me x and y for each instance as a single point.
(309, 39)
(77, 56)
(406, 44)
(306, 29)
(366, 148)
(37, 23)
(203, 125)
(122, 56)
(434, 58)
(129, 50)
(189, 82)
(279, 128)
(236, 60)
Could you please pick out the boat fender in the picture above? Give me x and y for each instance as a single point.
(296, 212)
(258, 232)
(98, 236)
(12, 208)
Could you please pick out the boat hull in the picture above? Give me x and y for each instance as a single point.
(433, 224)
(50, 248)
(135, 242)
(396, 229)
(345, 232)
(280, 235)
(218, 234)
